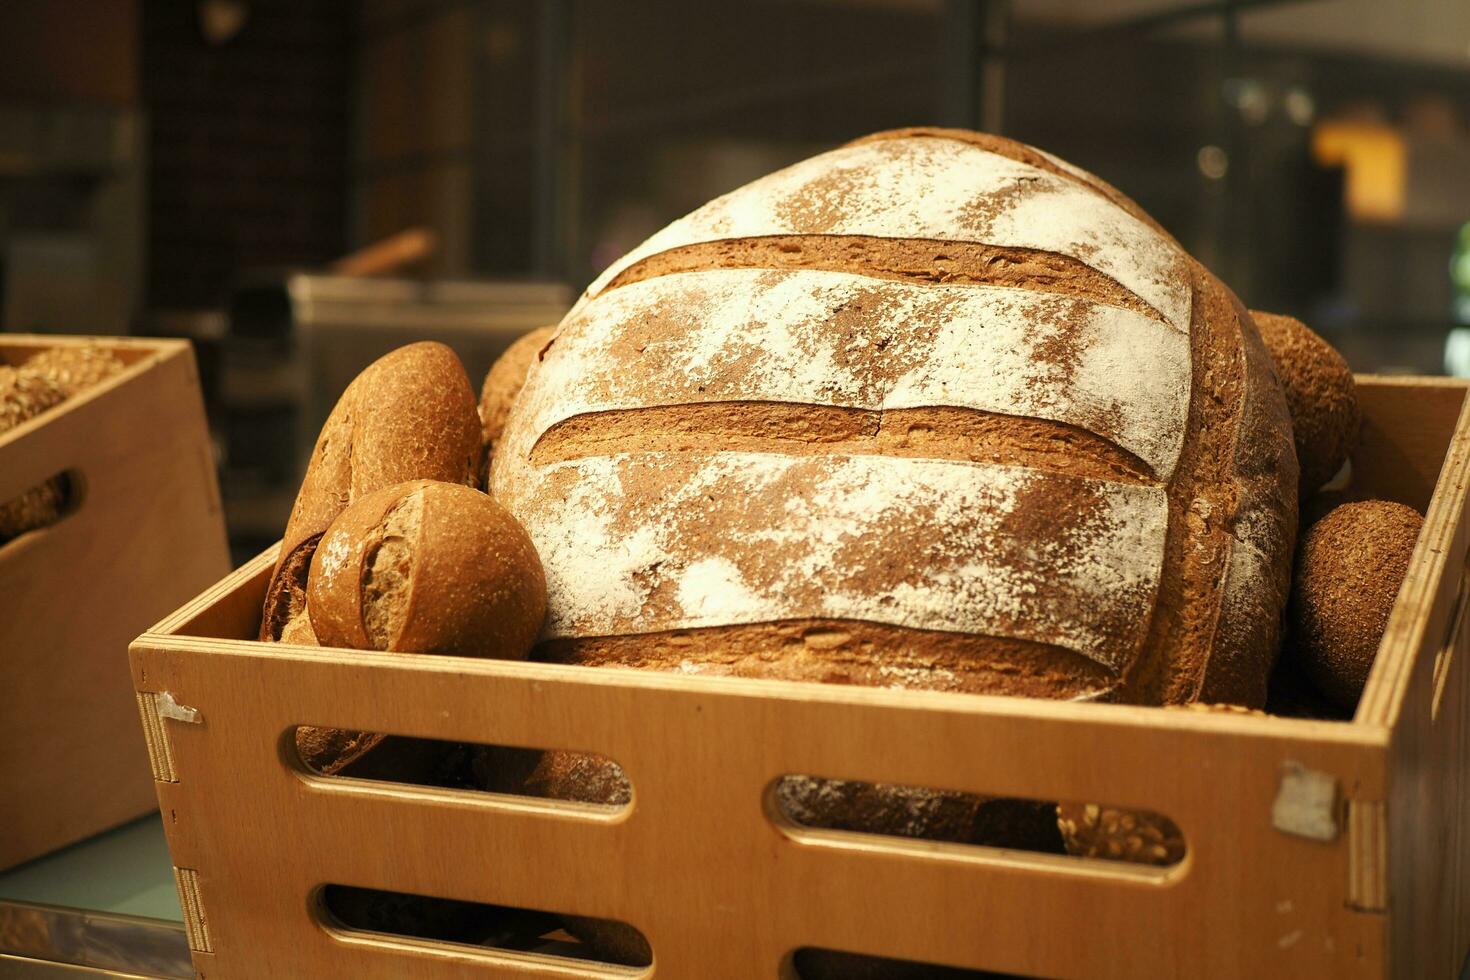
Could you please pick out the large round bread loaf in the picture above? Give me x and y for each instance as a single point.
(933, 410)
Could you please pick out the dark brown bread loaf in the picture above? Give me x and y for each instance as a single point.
(426, 567)
(1320, 392)
(1349, 570)
(410, 415)
(504, 381)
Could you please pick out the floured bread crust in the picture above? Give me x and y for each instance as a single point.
(951, 406)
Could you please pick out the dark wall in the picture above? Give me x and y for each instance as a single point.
(247, 143)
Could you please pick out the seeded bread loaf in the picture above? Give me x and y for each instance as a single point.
(410, 415)
(933, 410)
(426, 567)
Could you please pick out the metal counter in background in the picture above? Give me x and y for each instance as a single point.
(294, 341)
(106, 906)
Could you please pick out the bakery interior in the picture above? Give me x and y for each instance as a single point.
(296, 188)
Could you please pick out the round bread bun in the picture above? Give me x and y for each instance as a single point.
(506, 378)
(1349, 569)
(1320, 394)
(427, 567)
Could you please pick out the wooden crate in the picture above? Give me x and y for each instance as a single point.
(144, 534)
(724, 887)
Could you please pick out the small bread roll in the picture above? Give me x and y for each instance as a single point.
(504, 382)
(1349, 569)
(427, 567)
(1320, 394)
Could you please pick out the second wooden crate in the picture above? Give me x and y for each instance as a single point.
(142, 531)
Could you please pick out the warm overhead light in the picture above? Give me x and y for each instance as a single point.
(1376, 161)
(1300, 106)
(221, 20)
(1213, 162)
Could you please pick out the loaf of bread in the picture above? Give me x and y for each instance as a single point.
(427, 567)
(504, 381)
(410, 415)
(1320, 394)
(932, 410)
(1349, 570)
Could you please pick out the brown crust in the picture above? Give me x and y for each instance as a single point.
(1349, 572)
(285, 597)
(847, 652)
(409, 415)
(1320, 394)
(330, 750)
(1236, 464)
(1257, 579)
(802, 430)
(903, 259)
(466, 579)
(504, 381)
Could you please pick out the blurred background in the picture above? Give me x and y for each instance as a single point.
(300, 185)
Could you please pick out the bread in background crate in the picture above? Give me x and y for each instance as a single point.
(140, 531)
